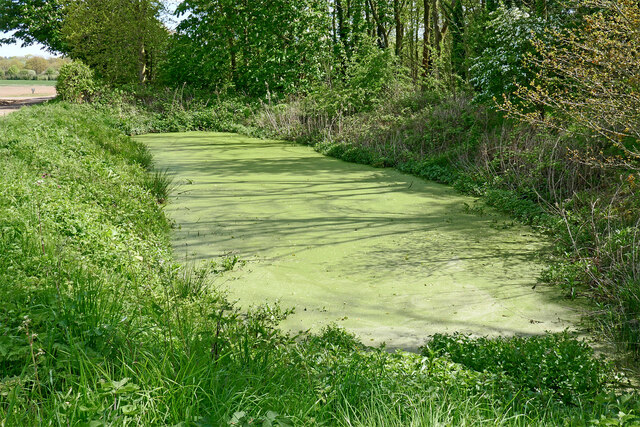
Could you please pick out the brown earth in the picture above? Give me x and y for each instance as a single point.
(12, 98)
(26, 91)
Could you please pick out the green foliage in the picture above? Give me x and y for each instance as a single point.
(33, 21)
(51, 72)
(121, 40)
(13, 71)
(587, 76)
(27, 75)
(279, 46)
(506, 40)
(37, 64)
(76, 82)
(157, 110)
(553, 365)
(94, 311)
(66, 246)
(458, 53)
(369, 76)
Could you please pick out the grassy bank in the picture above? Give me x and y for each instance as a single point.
(551, 180)
(101, 327)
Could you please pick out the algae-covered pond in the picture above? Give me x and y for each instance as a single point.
(388, 256)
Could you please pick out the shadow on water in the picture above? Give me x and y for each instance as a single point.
(394, 254)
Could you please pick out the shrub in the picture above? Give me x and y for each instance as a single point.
(27, 74)
(76, 82)
(507, 36)
(552, 364)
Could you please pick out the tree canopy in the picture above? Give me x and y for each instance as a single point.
(34, 21)
(121, 40)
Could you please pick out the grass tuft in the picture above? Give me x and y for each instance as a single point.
(160, 184)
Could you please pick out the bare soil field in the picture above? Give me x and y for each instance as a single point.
(13, 98)
(27, 91)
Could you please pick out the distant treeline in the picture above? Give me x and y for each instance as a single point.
(30, 67)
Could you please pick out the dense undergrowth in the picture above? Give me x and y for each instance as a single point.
(101, 327)
(550, 180)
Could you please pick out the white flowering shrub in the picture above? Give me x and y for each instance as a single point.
(508, 37)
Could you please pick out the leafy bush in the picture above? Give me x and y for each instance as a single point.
(27, 75)
(76, 82)
(552, 364)
(13, 72)
(507, 40)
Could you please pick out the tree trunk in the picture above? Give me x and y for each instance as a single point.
(458, 52)
(397, 11)
(142, 64)
(417, 54)
(383, 42)
(435, 27)
(141, 12)
(426, 42)
(370, 24)
(342, 31)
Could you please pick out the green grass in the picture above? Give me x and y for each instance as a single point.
(99, 326)
(27, 82)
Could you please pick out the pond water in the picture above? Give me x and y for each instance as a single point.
(386, 255)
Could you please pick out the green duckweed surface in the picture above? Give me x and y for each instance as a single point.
(388, 256)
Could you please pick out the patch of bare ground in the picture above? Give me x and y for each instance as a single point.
(8, 106)
(27, 91)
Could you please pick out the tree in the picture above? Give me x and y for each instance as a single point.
(426, 40)
(253, 46)
(398, 8)
(589, 77)
(508, 39)
(13, 71)
(5, 63)
(121, 40)
(37, 64)
(33, 21)
(382, 17)
(51, 72)
(458, 52)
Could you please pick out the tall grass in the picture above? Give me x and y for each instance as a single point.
(99, 326)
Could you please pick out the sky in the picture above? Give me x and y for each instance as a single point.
(18, 50)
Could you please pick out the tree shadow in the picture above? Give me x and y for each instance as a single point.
(268, 202)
